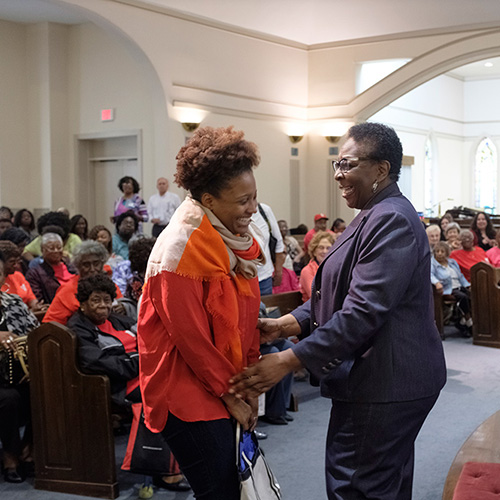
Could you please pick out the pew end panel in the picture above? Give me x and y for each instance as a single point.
(71, 413)
(485, 298)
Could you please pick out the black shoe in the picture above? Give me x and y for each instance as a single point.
(274, 420)
(260, 435)
(181, 485)
(288, 417)
(27, 469)
(11, 476)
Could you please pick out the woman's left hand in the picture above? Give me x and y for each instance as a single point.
(7, 340)
(260, 377)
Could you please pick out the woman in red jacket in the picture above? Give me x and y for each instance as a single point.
(200, 304)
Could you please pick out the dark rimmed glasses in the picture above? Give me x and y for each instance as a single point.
(347, 162)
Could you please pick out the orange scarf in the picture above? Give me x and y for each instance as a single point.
(192, 247)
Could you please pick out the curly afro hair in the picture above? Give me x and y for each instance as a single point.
(54, 219)
(99, 283)
(138, 253)
(212, 158)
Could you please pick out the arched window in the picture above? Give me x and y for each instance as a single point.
(429, 180)
(485, 176)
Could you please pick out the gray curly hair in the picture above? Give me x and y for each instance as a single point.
(89, 247)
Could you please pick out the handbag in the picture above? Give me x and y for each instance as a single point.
(257, 481)
(147, 452)
(14, 364)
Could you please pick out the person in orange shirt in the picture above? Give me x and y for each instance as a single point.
(15, 282)
(89, 259)
(469, 255)
(200, 305)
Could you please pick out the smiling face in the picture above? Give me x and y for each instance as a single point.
(97, 307)
(236, 203)
(451, 234)
(356, 184)
(467, 240)
(481, 222)
(322, 250)
(444, 223)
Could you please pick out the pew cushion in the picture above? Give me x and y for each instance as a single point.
(478, 481)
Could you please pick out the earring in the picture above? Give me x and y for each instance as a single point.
(375, 186)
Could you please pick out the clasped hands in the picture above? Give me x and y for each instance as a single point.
(270, 369)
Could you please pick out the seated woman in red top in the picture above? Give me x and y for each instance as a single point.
(199, 311)
(89, 259)
(469, 255)
(318, 250)
(493, 254)
(15, 282)
(108, 346)
(46, 278)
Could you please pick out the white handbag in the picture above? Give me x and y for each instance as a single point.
(257, 481)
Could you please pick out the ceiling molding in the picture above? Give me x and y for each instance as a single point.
(211, 23)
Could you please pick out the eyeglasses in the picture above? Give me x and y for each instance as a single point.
(348, 162)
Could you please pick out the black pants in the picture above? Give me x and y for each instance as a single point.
(206, 452)
(463, 299)
(157, 229)
(14, 413)
(370, 447)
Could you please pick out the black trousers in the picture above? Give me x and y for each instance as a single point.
(206, 452)
(157, 229)
(370, 449)
(14, 413)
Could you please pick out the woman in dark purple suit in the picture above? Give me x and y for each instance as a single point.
(368, 332)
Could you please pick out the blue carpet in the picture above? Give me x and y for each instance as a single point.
(296, 451)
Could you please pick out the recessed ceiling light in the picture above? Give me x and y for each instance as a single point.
(488, 64)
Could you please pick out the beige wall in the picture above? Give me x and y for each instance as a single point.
(147, 65)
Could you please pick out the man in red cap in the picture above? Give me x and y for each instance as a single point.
(319, 225)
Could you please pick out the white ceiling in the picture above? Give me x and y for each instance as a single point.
(322, 21)
(306, 21)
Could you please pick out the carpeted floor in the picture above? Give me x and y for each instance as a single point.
(296, 451)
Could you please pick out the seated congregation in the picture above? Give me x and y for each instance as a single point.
(57, 269)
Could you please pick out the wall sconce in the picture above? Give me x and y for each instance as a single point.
(190, 126)
(334, 139)
(294, 139)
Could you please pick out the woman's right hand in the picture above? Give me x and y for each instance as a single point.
(7, 340)
(239, 410)
(439, 287)
(269, 329)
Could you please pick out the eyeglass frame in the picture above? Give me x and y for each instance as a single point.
(348, 159)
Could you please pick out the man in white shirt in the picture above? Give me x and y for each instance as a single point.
(162, 206)
(270, 273)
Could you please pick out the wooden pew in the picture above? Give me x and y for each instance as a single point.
(481, 446)
(285, 302)
(485, 297)
(71, 413)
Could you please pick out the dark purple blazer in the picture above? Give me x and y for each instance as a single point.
(369, 326)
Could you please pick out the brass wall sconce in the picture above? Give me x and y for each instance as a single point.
(190, 126)
(294, 139)
(334, 139)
